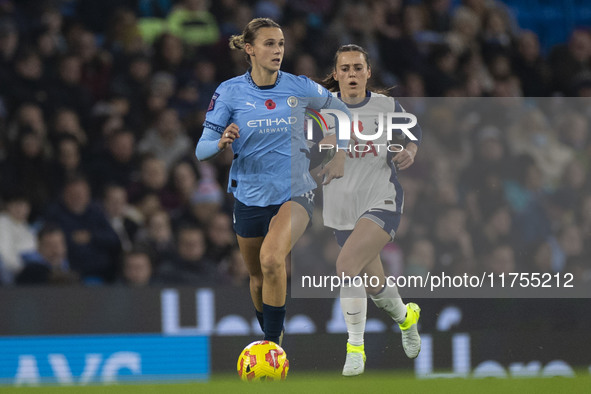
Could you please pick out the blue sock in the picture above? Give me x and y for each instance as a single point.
(260, 319)
(274, 317)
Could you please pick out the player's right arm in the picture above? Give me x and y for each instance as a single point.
(217, 133)
(211, 143)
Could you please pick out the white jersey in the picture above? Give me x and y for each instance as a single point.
(370, 180)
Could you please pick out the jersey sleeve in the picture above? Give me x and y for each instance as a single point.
(216, 120)
(207, 147)
(219, 111)
(321, 98)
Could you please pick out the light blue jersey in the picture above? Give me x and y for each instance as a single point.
(271, 157)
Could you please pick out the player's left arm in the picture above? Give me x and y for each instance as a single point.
(405, 158)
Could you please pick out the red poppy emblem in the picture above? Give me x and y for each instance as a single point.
(270, 104)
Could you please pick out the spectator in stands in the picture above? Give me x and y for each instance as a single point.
(220, 237)
(29, 116)
(49, 265)
(533, 134)
(530, 67)
(568, 244)
(482, 181)
(572, 187)
(120, 215)
(153, 180)
(96, 64)
(190, 267)
(583, 215)
(157, 238)
(526, 194)
(167, 139)
(184, 177)
(67, 121)
(568, 61)
(9, 42)
(204, 73)
(496, 33)
(207, 200)
(501, 259)
(67, 161)
(465, 29)
(123, 36)
(169, 54)
(452, 242)
(134, 83)
(233, 270)
(495, 229)
(443, 76)
(137, 268)
(119, 164)
(16, 236)
(185, 180)
(193, 23)
(93, 246)
(27, 83)
(421, 258)
(67, 91)
(540, 258)
(573, 131)
(30, 168)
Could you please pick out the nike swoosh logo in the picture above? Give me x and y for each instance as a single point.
(353, 314)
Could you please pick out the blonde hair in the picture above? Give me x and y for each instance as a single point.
(239, 41)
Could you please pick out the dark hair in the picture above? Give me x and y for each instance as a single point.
(329, 82)
(249, 34)
(47, 229)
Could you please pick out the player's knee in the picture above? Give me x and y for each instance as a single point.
(346, 267)
(271, 264)
(256, 281)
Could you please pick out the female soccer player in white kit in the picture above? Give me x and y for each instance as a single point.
(370, 204)
(260, 114)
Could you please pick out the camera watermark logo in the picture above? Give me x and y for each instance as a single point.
(394, 124)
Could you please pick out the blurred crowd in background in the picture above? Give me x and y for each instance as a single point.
(102, 103)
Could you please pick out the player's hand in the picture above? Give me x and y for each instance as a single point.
(406, 157)
(228, 136)
(330, 139)
(335, 168)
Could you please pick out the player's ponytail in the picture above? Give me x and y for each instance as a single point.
(238, 42)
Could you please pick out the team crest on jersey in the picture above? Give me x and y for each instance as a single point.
(212, 102)
(292, 101)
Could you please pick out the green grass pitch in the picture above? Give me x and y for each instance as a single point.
(378, 382)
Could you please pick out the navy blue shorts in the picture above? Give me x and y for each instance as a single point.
(253, 221)
(387, 220)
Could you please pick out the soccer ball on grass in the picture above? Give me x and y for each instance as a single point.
(262, 361)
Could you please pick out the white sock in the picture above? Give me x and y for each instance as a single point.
(354, 307)
(389, 301)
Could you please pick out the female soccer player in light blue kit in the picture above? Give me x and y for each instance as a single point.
(261, 115)
(367, 206)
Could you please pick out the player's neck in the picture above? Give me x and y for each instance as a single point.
(263, 77)
(352, 100)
